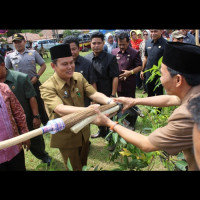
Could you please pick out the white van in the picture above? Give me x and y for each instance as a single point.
(47, 44)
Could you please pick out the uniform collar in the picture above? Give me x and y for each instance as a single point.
(101, 55)
(159, 40)
(9, 76)
(128, 50)
(25, 51)
(191, 93)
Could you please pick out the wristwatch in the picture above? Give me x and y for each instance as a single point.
(38, 76)
(36, 116)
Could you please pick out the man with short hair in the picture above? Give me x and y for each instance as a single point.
(154, 49)
(180, 77)
(63, 93)
(106, 69)
(82, 65)
(24, 60)
(129, 63)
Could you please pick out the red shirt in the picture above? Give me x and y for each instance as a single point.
(136, 43)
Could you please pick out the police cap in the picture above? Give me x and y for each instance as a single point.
(17, 36)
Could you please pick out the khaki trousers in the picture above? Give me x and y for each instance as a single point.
(78, 156)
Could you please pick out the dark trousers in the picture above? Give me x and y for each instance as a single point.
(41, 107)
(103, 130)
(144, 83)
(16, 164)
(150, 89)
(37, 147)
(138, 80)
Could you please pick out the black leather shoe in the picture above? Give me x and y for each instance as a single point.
(98, 134)
(47, 160)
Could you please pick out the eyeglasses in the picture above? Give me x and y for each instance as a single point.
(145, 34)
(179, 38)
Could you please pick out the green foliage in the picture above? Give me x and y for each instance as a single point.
(134, 158)
(155, 73)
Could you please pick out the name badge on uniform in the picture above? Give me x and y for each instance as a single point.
(66, 94)
(30, 54)
(77, 92)
(148, 47)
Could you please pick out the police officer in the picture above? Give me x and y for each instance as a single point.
(24, 60)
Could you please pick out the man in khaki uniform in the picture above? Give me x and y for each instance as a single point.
(63, 93)
(180, 76)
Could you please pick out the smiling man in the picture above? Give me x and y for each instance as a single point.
(180, 76)
(63, 93)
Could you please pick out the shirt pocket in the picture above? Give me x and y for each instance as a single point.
(15, 62)
(31, 60)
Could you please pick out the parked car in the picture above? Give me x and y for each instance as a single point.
(47, 44)
(84, 38)
(84, 42)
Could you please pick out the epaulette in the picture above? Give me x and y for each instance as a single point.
(8, 52)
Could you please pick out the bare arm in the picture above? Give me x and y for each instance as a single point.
(62, 109)
(137, 139)
(42, 69)
(114, 86)
(143, 67)
(100, 98)
(34, 108)
(40, 72)
(157, 101)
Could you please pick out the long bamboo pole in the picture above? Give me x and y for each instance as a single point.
(56, 125)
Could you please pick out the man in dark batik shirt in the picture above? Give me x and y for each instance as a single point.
(129, 62)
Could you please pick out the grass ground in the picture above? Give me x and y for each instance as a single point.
(98, 155)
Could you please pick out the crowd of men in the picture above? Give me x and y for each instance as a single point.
(111, 73)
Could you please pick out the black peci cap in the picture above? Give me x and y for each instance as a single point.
(182, 57)
(60, 51)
